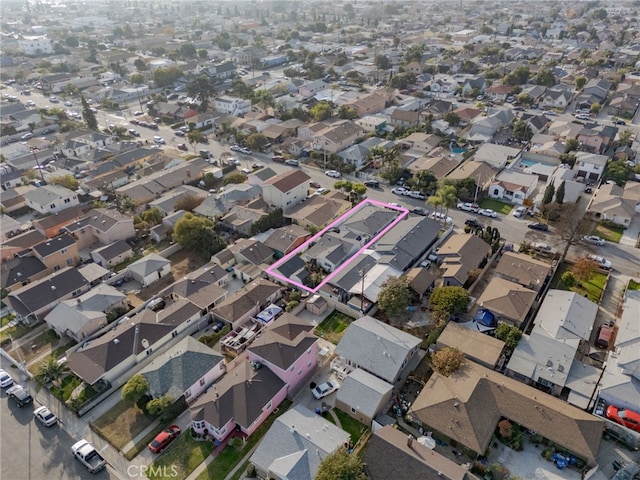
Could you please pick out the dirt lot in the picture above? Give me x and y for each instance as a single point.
(182, 263)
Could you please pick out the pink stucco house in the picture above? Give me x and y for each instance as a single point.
(288, 348)
(241, 400)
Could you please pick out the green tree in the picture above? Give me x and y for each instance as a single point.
(595, 108)
(346, 112)
(444, 198)
(568, 278)
(234, 178)
(152, 216)
(509, 334)
(203, 54)
(188, 50)
(274, 219)
(257, 141)
(88, 116)
(584, 269)
(164, 77)
(425, 181)
(545, 77)
(449, 300)
(624, 138)
(571, 145)
(617, 171)
(522, 130)
(452, 118)
(321, 111)
(580, 82)
(198, 235)
(201, 89)
(547, 198)
(195, 138)
(340, 465)
(359, 189)
(135, 388)
(382, 62)
(66, 181)
(394, 296)
(560, 193)
(137, 79)
(158, 406)
(447, 360)
(51, 372)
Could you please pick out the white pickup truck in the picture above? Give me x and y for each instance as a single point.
(88, 456)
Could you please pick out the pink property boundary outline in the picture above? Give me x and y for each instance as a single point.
(272, 269)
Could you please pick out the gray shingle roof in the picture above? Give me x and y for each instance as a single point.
(363, 391)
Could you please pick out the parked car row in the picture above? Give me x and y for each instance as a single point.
(241, 149)
(408, 193)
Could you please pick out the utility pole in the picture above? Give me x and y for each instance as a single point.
(363, 274)
(35, 151)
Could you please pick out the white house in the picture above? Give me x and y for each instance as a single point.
(36, 45)
(232, 105)
(149, 269)
(590, 165)
(51, 199)
(286, 190)
(513, 187)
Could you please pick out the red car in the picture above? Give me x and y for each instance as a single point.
(164, 438)
(627, 418)
(182, 146)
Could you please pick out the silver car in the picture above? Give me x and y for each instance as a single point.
(45, 416)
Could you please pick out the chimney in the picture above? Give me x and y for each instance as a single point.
(410, 441)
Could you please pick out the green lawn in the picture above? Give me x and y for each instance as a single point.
(219, 468)
(67, 386)
(591, 288)
(332, 328)
(6, 319)
(496, 206)
(609, 232)
(16, 331)
(633, 285)
(351, 426)
(181, 458)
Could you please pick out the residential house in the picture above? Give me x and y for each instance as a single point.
(149, 269)
(318, 212)
(113, 254)
(590, 166)
(286, 190)
(167, 202)
(284, 240)
(508, 301)
(186, 370)
(377, 348)
(57, 253)
(404, 118)
(201, 290)
(251, 251)
(598, 87)
(513, 187)
(420, 142)
(101, 225)
(616, 204)
(51, 225)
(38, 298)
(241, 219)
(19, 243)
(482, 129)
(523, 270)
(51, 199)
(481, 172)
(557, 98)
(439, 165)
(478, 347)
(466, 407)
(331, 250)
(21, 271)
(498, 93)
(363, 396)
(497, 156)
(228, 105)
(220, 71)
(295, 445)
(336, 137)
(310, 88)
(289, 349)
(164, 230)
(368, 104)
(474, 84)
(239, 401)
(389, 453)
(459, 255)
(546, 356)
(111, 357)
(247, 302)
(83, 316)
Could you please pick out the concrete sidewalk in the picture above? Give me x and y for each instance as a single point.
(631, 233)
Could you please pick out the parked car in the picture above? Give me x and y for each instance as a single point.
(292, 162)
(256, 166)
(217, 326)
(321, 190)
(420, 211)
(19, 395)
(601, 261)
(134, 132)
(324, 389)
(314, 185)
(468, 207)
(371, 183)
(487, 212)
(593, 240)
(179, 133)
(400, 190)
(45, 416)
(623, 416)
(245, 170)
(182, 146)
(604, 336)
(137, 113)
(543, 227)
(441, 217)
(26, 136)
(417, 195)
(6, 380)
(159, 140)
(473, 223)
(164, 438)
(332, 173)
(520, 212)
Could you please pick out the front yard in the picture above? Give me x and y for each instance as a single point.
(496, 206)
(332, 328)
(122, 423)
(591, 288)
(611, 233)
(181, 458)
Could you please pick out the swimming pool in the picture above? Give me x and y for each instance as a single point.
(528, 163)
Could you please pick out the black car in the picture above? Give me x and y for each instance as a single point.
(421, 211)
(19, 395)
(473, 223)
(371, 183)
(543, 227)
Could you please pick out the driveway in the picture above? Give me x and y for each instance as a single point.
(631, 233)
(529, 464)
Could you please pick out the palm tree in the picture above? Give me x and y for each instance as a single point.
(445, 197)
(51, 371)
(194, 138)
